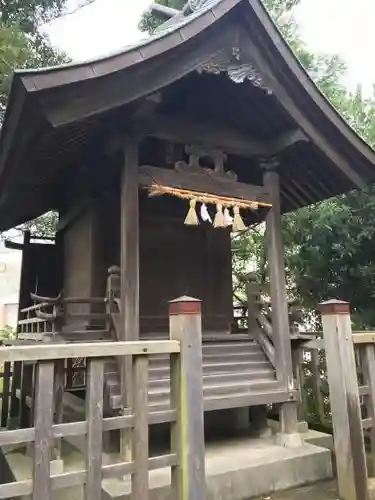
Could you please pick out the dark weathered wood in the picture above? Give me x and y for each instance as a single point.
(203, 182)
(280, 317)
(345, 406)
(94, 416)
(7, 370)
(140, 431)
(188, 434)
(43, 430)
(179, 129)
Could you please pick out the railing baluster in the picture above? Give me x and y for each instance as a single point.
(5, 398)
(318, 397)
(43, 430)
(94, 417)
(58, 401)
(368, 367)
(175, 370)
(140, 430)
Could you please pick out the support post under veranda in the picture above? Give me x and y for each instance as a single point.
(280, 318)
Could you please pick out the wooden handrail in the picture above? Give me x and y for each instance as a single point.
(82, 350)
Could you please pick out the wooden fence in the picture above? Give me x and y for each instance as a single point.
(350, 360)
(186, 457)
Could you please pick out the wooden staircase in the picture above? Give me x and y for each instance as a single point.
(235, 370)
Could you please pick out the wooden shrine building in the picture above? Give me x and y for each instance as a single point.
(151, 157)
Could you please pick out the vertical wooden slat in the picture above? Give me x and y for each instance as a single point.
(176, 438)
(129, 274)
(280, 316)
(186, 327)
(368, 366)
(140, 431)
(5, 399)
(14, 401)
(317, 387)
(297, 356)
(94, 417)
(58, 401)
(26, 390)
(43, 430)
(344, 398)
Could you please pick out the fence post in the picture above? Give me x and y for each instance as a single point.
(7, 369)
(344, 399)
(188, 477)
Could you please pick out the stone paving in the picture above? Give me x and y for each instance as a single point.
(322, 491)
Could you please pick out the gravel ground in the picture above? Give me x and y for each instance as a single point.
(322, 491)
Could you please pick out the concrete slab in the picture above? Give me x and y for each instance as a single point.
(237, 469)
(240, 469)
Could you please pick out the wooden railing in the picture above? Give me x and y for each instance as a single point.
(186, 456)
(310, 370)
(51, 317)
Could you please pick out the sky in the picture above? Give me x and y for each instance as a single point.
(344, 27)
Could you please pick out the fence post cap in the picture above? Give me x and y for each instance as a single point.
(334, 306)
(185, 305)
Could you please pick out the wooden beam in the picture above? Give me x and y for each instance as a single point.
(179, 129)
(45, 352)
(203, 182)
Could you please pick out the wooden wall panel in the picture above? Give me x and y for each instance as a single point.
(84, 263)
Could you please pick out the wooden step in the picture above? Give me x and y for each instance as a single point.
(223, 379)
(160, 397)
(212, 368)
(237, 368)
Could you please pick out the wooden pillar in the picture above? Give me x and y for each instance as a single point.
(280, 317)
(129, 300)
(188, 478)
(23, 301)
(344, 399)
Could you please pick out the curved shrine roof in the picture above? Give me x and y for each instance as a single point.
(223, 60)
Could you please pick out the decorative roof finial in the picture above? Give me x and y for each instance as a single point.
(194, 5)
